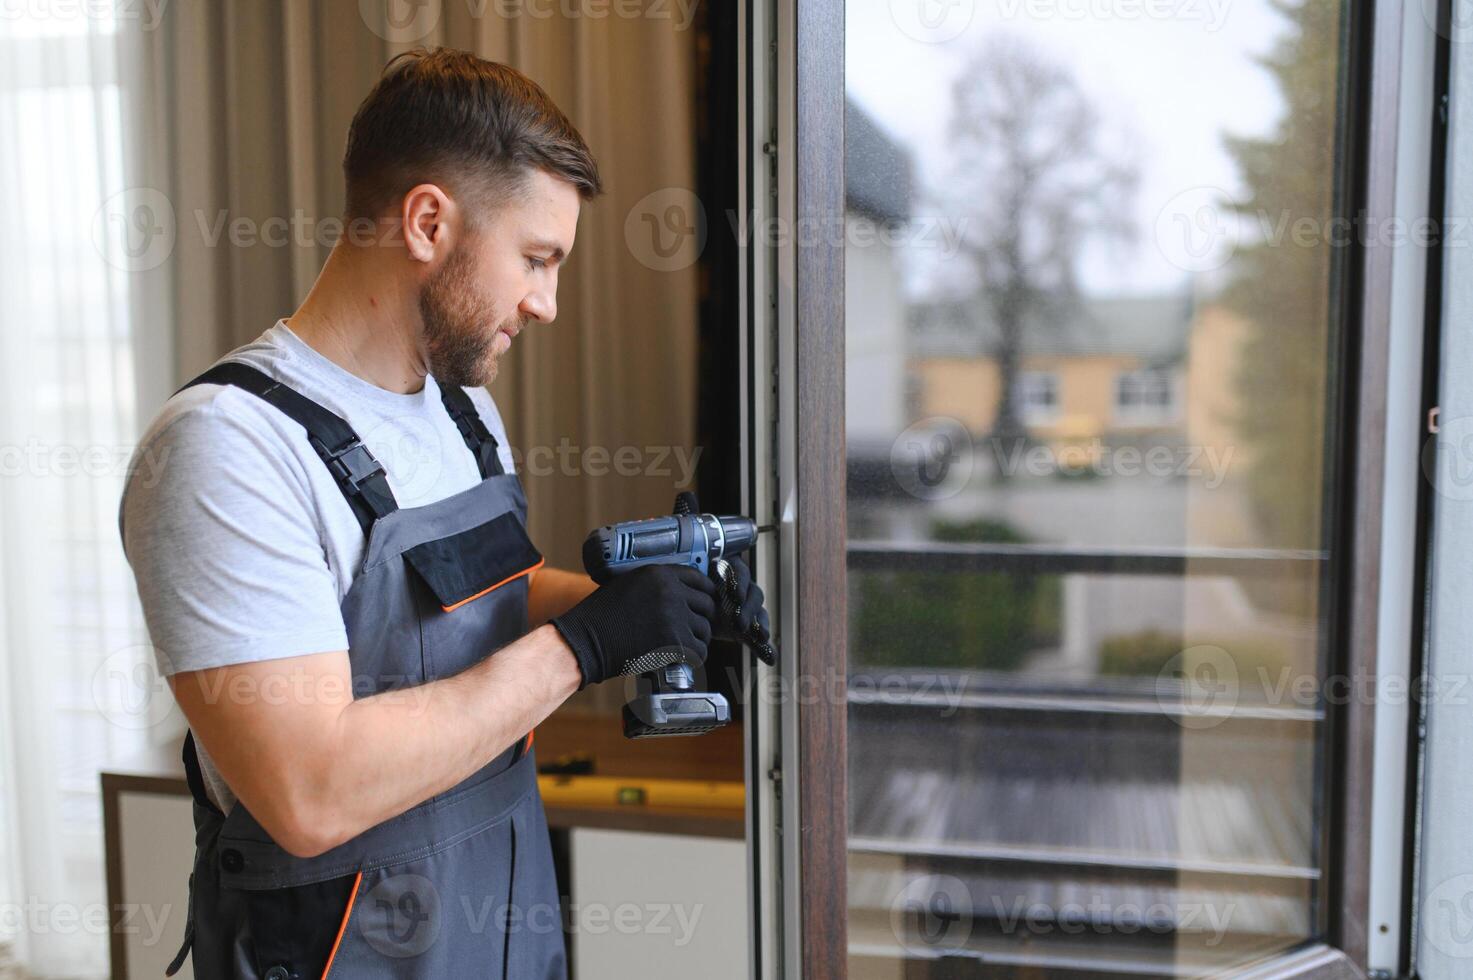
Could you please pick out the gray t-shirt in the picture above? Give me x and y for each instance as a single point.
(241, 543)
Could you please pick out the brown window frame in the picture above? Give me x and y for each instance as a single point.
(1372, 82)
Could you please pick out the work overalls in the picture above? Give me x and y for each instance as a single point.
(461, 885)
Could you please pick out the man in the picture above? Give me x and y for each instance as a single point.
(338, 582)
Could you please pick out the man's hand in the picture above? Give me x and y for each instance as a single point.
(748, 603)
(653, 608)
(316, 767)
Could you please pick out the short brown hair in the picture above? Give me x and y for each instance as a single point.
(473, 126)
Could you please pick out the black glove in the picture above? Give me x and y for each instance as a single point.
(640, 621)
(742, 603)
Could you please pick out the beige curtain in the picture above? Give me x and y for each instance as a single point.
(249, 107)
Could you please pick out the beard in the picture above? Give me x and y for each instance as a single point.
(459, 349)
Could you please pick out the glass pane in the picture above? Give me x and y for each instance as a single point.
(1090, 348)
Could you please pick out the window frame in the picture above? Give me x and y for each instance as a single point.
(1031, 383)
(820, 477)
(1145, 414)
(810, 85)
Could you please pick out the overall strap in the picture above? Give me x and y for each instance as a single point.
(478, 439)
(194, 775)
(358, 474)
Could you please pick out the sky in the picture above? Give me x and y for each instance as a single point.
(1171, 76)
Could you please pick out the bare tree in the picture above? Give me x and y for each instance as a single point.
(1032, 182)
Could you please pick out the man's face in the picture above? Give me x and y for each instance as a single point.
(496, 280)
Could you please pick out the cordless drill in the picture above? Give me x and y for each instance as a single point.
(666, 701)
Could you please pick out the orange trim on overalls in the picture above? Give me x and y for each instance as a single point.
(509, 578)
(343, 926)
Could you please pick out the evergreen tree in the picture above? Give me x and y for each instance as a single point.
(1281, 281)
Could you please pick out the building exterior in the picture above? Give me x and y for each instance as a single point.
(1110, 371)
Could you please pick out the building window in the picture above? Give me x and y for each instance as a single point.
(1145, 397)
(1037, 395)
(1067, 755)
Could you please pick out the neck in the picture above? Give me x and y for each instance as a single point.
(360, 316)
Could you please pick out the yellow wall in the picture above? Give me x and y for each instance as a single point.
(962, 388)
(1087, 393)
(1217, 339)
(966, 389)
(1218, 516)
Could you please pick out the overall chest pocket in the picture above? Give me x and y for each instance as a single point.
(474, 596)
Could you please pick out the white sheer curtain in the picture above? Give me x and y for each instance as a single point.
(76, 688)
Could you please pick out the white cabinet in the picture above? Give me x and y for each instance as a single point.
(657, 906)
(156, 850)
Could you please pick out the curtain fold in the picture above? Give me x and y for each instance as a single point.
(75, 695)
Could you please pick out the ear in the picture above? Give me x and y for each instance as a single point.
(426, 213)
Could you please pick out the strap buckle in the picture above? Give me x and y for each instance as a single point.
(352, 464)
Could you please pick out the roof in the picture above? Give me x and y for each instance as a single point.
(1153, 327)
(878, 177)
